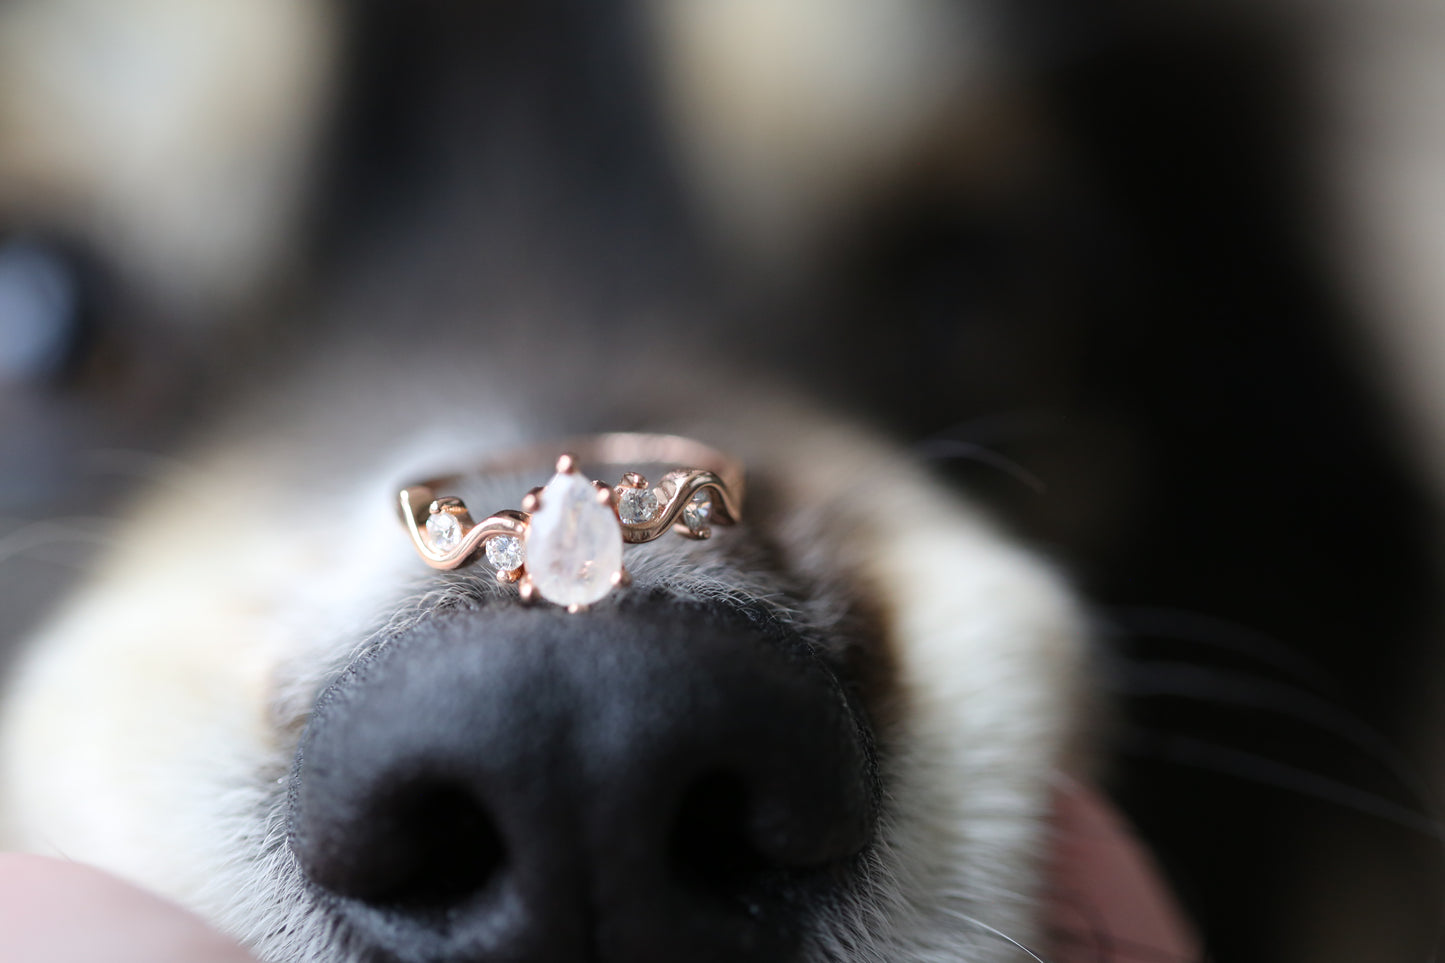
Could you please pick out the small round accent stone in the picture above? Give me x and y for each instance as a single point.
(696, 512)
(505, 553)
(444, 530)
(637, 506)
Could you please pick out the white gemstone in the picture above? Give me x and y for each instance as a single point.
(696, 512)
(445, 531)
(637, 506)
(505, 553)
(574, 544)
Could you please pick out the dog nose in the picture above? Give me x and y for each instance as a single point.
(653, 783)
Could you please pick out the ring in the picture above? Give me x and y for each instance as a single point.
(565, 545)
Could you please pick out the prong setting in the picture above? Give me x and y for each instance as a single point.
(447, 503)
(532, 500)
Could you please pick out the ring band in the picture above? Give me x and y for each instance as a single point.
(565, 545)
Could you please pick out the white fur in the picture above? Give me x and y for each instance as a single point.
(792, 112)
(170, 133)
(1381, 132)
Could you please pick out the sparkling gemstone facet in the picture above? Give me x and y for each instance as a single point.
(445, 531)
(505, 553)
(636, 506)
(574, 544)
(696, 512)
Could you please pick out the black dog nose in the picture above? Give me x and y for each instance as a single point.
(644, 785)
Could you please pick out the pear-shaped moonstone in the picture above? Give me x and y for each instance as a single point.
(574, 544)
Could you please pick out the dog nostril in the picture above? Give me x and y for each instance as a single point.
(414, 844)
(718, 850)
(430, 845)
(711, 848)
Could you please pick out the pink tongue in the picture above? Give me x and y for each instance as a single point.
(54, 911)
(1106, 899)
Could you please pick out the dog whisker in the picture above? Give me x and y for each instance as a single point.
(1186, 626)
(152, 466)
(144, 465)
(1000, 934)
(946, 449)
(1000, 427)
(1208, 756)
(77, 529)
(1156, 679)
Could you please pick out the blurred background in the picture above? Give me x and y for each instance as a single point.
(1160, 283)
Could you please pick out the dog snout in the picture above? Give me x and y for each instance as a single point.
(656, 783)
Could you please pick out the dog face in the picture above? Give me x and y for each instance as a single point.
(441, 231)
(828, 733)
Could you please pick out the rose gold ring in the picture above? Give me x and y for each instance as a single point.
(565, 545)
